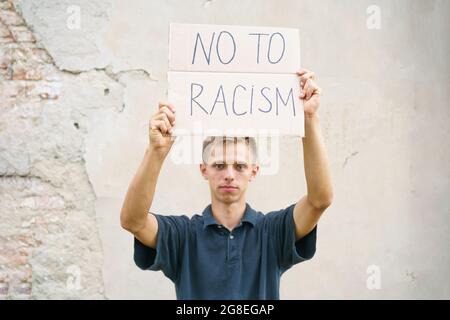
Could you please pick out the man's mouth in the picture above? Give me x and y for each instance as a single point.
(228, 188)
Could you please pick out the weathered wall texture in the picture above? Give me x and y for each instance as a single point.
(74, 107)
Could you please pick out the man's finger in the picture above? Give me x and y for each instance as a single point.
(308, 89)
(161, 126)
(302, 72)
(168, 112)
(167, 104)
(156, 125)
(163, 117)
(306, 76)
(302, 95)
(313, 89)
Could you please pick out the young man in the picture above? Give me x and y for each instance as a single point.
(230, 251)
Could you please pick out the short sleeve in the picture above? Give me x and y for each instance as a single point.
(282, 233)
(166, 257)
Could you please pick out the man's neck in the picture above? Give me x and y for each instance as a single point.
(228, 214)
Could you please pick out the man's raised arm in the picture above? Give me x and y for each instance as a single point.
(134, 215)
(317, 172)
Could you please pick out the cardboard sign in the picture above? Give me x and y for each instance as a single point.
(234, 80)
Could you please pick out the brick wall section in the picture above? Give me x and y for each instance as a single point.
(40, 242)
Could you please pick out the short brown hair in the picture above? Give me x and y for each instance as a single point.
(208, 142)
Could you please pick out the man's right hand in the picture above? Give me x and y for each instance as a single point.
(160, 128)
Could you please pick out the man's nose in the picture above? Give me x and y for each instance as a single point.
(229, 173)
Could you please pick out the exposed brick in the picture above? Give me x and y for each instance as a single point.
(6, 5)
(16, 53)
(5, 57)
(4, 289)
(21, 281)
(20, 257)
(7, 39)
(22, 289)
(26, 63)
(22, 71)
(4, 74)
(4, 284)
(36, 209)
(41, 55)
(4, 31)
(11, 18)
(22, 34)
(26, 239)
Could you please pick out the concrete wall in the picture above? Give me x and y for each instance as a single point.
(75, 103)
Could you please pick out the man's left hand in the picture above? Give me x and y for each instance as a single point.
(310, 92)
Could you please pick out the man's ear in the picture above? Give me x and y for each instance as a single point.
(255, 170)
(202, 168)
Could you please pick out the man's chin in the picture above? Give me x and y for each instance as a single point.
(228, 198)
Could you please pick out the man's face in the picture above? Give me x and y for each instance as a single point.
(229, 168)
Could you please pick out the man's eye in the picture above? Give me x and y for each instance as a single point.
(240, 167)
(219, 166)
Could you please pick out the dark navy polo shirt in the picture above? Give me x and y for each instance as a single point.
(206, 261)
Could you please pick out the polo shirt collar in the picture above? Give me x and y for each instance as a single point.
(250, 216)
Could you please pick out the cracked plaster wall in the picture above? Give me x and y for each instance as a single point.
(74, 110)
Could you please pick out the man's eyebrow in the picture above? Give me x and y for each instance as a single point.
(241, 162)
